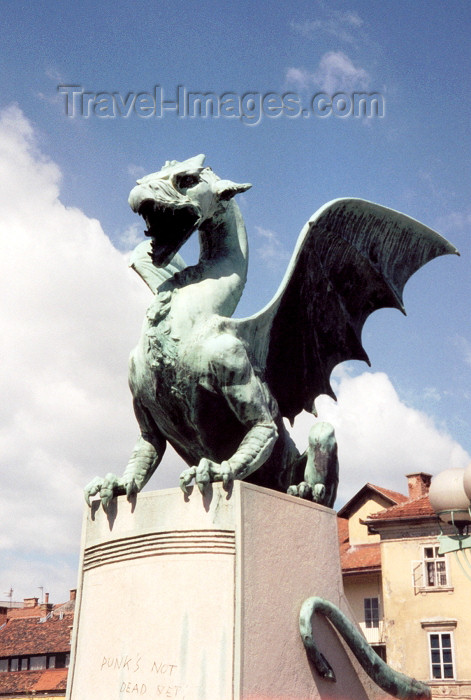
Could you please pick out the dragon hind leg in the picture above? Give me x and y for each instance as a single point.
(321, 470)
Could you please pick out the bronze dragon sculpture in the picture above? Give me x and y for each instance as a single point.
(217, 388)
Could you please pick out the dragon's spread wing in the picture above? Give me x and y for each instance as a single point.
(352, 258)
(141, 261)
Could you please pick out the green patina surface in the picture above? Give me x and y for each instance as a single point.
(217, 388)
(396, 684)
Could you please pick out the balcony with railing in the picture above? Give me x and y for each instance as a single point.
(374, 635)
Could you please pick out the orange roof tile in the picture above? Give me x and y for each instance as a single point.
(33, 681)
(18, 681)
(52, 679)
(416, 508)
(25, 612)
(362, 557)
(27, 636)
(392, 496)
(342, 524)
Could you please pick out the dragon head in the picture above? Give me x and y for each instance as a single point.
(178, 199)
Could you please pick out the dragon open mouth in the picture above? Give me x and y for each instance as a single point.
(168, 226)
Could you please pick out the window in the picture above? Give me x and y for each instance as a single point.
(371, 606)
(37, 662)
(60, 660)
(441, 655)
(380, 649)
(434, 567)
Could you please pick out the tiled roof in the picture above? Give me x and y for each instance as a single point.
(65, 608)
(35, 611)
(18, 681)
(417, 508)
(362, 557)
(52, 679)
(29, 681)
(28, 636)
(392, 496)
(342, 524)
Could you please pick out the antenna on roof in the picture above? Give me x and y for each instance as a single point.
(10, 595)
(41, 588)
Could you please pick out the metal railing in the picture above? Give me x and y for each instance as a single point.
(374, 635)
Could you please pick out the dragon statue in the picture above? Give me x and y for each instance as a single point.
(217, 388)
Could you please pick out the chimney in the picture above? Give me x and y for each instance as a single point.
(46, 607)
(30, 602)
(419, 484)
(73, 593)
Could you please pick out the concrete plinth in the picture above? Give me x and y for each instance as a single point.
(198, 599)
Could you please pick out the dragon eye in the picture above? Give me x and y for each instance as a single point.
(186, 181)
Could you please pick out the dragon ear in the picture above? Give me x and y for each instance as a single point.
(225, 189)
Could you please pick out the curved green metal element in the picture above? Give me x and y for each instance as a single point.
(393, 682)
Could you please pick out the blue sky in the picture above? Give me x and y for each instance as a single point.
(72, 309)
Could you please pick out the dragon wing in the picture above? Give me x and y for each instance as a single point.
(351, 258)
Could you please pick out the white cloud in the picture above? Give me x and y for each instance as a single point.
(335, 73)
(380, 438)
(431, 393)
(136, 171)
(455, 221)
(343, 26)
(299, 78)
(272, 252)
(54, 74)
(71, 312)
(130, 237)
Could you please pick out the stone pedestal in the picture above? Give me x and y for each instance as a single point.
(198, 598)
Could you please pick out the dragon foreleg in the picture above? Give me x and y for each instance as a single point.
(254, 449)
(393, 682)
(142, 464)
(252, 452)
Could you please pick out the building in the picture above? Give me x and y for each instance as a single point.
(35, 649)
(411, 601)
(360, 557)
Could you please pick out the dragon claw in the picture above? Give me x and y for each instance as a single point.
(203, 474)
(92, 489)
(315, 492)
(131, 488)
(107, 488)
(227, 475)
(318, 493)
(186, 477)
